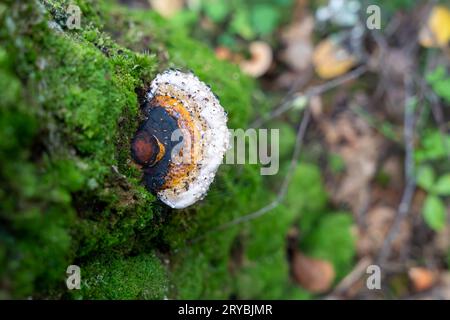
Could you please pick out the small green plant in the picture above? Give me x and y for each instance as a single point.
(433, 146)
(246, 19)
(430, 156)
(439, 80)
(261, 16)
(434, 210)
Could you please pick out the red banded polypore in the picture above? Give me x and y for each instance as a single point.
(183, 139)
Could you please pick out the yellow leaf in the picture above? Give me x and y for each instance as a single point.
(436, 32)
(330, 60)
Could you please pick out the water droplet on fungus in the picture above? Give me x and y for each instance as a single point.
(181, 143)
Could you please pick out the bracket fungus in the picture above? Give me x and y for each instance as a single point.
(183, 139)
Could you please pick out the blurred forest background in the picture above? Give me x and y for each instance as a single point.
(364, 119)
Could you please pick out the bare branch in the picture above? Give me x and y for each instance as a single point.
(283, 190)
(408, 193)
(313, 91)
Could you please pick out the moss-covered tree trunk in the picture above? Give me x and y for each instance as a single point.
(69, 193)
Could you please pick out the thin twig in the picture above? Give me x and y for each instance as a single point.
(403, 208)
(283, 190)
(285, 106)
(311, 92)
(350, 279)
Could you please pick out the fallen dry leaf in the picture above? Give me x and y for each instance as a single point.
(378, 222)
(298, 43)
(315, 275)
(443, 288)
(421, 278)
(260, 61)
(440, 290)
(331, 60)
(393, 66)
(316, 106)
(436, 32)
(396, 63)
(442, 240)
(358, 145)
(223, 53)
(166, 8)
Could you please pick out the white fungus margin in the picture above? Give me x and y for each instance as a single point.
(211, 121)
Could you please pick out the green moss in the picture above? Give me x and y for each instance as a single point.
(324, 233)
(232, 195)
(287, 138)
(176, 49)
(113, 277)
(70, 194)
(34, 236)
(332, 240)
(263, 278)
(312, 200)
(62, 140)
(264, 273)
(70, 189)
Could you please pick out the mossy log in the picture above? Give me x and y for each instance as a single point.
(69, 192)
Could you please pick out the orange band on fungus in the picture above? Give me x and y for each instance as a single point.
(190, 124)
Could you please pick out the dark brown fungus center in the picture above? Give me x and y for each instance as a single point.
(152, 145)
(145, 148)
